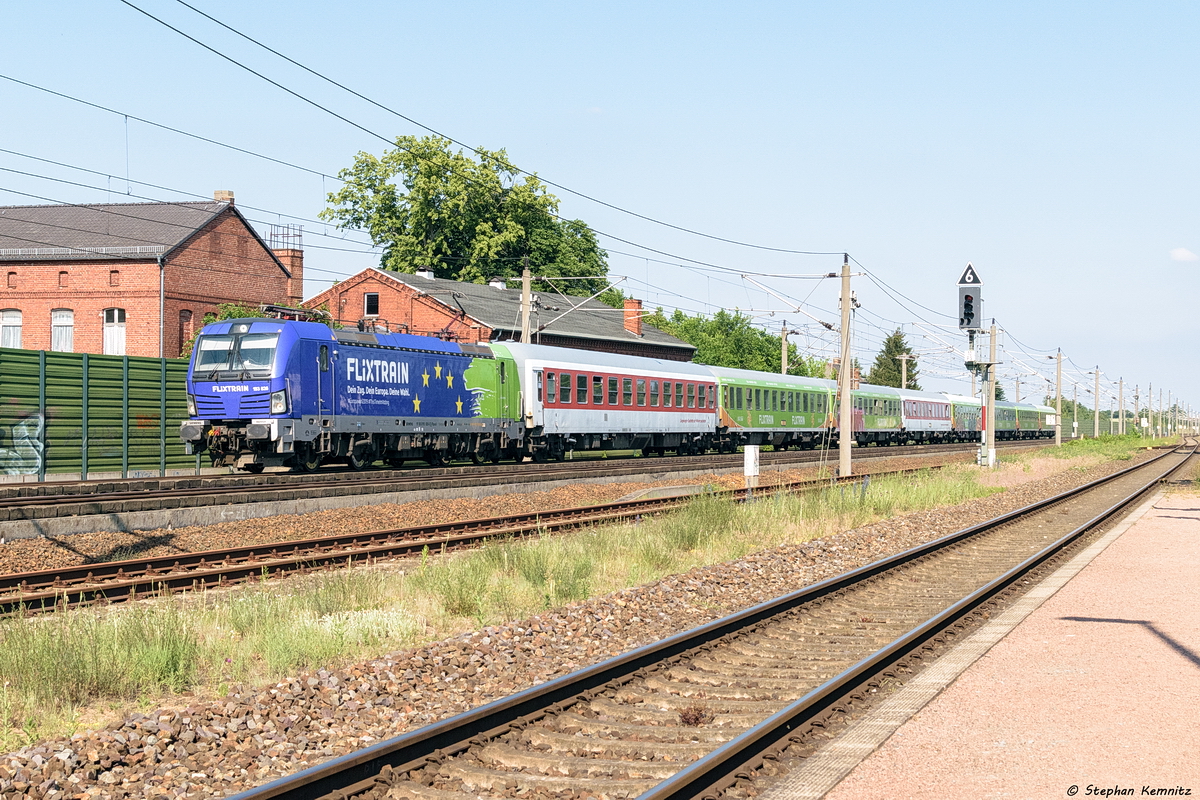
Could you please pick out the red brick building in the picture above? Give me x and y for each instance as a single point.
(132, 278)
(471, 312)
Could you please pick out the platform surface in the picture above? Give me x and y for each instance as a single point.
(1092, 691)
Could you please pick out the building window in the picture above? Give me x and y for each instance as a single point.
(10, 325)
(114, 331)
(185, 328)
(62, 329)
(12, 280)
(114, 277)
(62, 279)
(371, 304)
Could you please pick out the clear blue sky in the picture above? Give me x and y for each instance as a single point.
(1054, 145)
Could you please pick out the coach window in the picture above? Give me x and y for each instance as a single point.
(679, 394)
(114, 331)
(654, 394)
(581, 384)
(612, 391)
(551, 388)
(702, 390)
(691, 393)
(641, 386)
(564, 387)
(627, 391)
(667, 394)
(371, 304)
(598, 389)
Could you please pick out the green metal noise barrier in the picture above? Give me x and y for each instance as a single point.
(81, 414)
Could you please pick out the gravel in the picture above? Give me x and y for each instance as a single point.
(256, 734)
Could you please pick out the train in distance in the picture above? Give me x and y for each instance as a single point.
(269, 393)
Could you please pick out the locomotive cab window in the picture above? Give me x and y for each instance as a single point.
(323, 358)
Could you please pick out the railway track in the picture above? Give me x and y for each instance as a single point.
(45, 590)
(53, 499)
(702, 713)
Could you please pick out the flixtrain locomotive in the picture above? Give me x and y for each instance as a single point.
(267, 392)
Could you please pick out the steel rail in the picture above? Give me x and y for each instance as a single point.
(57, 494)
(709, 776)
(345, 775)
(118, 580)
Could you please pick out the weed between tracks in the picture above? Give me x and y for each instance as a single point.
(67, 669)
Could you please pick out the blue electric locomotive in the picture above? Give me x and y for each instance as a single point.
(266, 392)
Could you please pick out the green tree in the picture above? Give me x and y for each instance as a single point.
(1000, 392)
(886, 371)
(727, 339)
(468, 217)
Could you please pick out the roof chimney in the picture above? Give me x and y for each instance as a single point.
(223, 196)
(633, 316)
(424, 272)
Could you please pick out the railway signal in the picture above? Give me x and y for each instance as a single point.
(970, 302)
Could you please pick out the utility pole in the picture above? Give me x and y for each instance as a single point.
(1137, 409)
(991, 398)
(1160, 412)
(845, 414)
(1058, 401)
(1074, 410)
(1170, 415)
(526, 300)
(1017, 384)
(1121, 405)
(783, 358)
(1150, 410)
(904, 358)
(1096, 415)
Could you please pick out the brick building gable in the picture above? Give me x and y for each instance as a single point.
(473, 312)
(92, 265)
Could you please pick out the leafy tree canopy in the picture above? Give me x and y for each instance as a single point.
(467, 216)
(886, 371)
(727, 339)
(1000, 392)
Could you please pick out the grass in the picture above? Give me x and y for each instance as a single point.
(56, 667)
(1109, 448)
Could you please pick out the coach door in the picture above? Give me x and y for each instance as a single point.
(324, 382)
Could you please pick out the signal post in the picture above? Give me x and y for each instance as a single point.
(970, 310)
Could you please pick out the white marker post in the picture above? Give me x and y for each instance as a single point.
(750, 469)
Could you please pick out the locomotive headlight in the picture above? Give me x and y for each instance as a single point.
(279, 403)
(191, 400)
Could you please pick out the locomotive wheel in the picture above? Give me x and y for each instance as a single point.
(435, 458)
(476, 459)
(360, 461)
(254, 468)
(308, 461)
(395, 463)
(540, 457)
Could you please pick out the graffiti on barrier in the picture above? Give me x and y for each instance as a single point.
(21, 446)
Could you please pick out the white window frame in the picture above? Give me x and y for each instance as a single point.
(10, 327)
(62, 330)
(114, 331)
